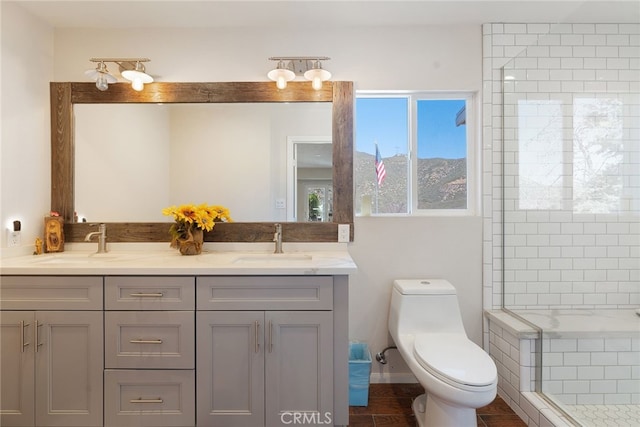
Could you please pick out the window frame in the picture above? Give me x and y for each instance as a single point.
(472, 152)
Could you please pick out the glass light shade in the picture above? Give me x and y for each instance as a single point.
(137, 76)
(132, 75)
(101, 75)
(281, 75)
(102, 83)
(317, 76)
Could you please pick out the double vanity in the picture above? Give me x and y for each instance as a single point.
(153, 338)
(147, 337)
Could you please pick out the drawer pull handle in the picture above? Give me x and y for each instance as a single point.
(145, 341)
(141, 400)
(22, 343)
(270, 337)
(147, 295)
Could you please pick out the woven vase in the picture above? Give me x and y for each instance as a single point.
(191, 243)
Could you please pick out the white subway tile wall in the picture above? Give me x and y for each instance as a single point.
(571, 172)
(592, 371)
(568, 119)
(515, 361)
(605, 389)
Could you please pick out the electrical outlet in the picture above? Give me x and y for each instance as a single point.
(343, 233)
(13, 238)
(280, 203)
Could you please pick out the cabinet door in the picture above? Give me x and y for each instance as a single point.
(230, 366)
(69, 364)
(16, 368)
(299, 367)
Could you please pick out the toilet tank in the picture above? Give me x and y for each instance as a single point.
(428, 305)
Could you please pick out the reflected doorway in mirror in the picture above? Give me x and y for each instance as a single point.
(309, 179)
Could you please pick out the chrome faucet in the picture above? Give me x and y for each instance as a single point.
(102, 238)
(277, 237)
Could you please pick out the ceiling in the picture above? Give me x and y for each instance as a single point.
(324, 13)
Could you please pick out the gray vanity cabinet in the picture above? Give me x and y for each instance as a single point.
(257, 367)
(184, 350)
(52, 351)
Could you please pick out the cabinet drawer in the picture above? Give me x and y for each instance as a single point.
(264, 293)
(149, 293)
(160, 398)
(51, 293)
(149, 340)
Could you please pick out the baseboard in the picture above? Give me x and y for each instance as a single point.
(395, 378)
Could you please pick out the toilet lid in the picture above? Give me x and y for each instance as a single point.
(455, 359)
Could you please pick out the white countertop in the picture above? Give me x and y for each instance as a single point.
(170, 262)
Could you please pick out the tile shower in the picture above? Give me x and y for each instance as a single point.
(561, 193)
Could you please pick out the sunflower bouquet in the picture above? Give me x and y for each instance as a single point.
(190, 222)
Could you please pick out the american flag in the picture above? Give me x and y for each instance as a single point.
(381, 173)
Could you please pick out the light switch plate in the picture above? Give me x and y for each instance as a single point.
(343, 233)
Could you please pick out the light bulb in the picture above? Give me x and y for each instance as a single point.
(281, 83)
(316, 83)
(101, 82)
(137, 84)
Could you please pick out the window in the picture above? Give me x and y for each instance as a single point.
(414, 153)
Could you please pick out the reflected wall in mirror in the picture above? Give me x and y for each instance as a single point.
(233, 155)
(65, 97)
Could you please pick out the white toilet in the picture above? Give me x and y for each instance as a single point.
(457, 375)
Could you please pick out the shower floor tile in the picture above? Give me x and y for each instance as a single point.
(606, 415)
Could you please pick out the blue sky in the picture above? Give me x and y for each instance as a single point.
(385, 121)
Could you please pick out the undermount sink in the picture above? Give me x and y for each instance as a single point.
(272, 258)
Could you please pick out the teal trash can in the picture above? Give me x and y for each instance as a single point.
(359, 373)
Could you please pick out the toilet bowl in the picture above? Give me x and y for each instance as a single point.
(458, 376)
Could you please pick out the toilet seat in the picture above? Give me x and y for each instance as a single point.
(454, 359)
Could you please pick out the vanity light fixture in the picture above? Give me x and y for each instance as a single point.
(131, 69)
(291, 66)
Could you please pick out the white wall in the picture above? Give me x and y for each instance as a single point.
(403, 248)
(425, 58)
(27, 68)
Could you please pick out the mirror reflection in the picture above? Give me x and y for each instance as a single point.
(134, 159)
(310, 193)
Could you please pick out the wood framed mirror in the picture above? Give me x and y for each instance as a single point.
(65, 95)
